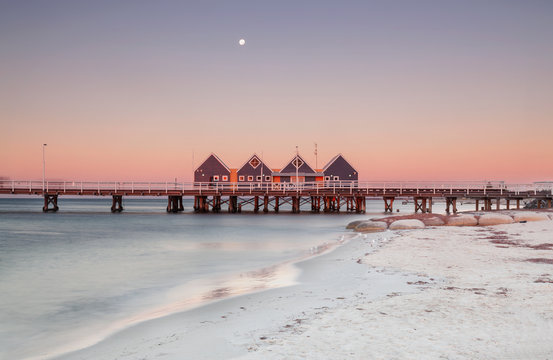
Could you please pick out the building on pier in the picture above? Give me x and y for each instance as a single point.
(339, 169)
(300, 168)
(212, 170)
(255, 170)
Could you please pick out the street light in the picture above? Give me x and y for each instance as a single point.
(43, 167)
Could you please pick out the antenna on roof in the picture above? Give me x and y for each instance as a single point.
(262, 166)
(297, 168)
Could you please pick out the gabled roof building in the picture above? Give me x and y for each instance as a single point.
(339, 169)
(212, 169)
(297, 166)
(254, 170)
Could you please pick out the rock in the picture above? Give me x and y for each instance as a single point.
(494, 219)
(353, 224)
(433, 221)
(371, 226)
(462, 220)
(406, 224)
(531, 216)
(534, 204)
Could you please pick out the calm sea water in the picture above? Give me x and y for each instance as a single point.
(71, 278)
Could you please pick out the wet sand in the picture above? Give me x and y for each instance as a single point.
(445, 292)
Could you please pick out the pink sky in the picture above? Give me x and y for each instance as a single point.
(427, 92)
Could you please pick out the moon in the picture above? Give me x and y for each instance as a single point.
(242, 42)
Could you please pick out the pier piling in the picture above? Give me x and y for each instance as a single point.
(200, 204)
(174, 204)
(451, 202)
(216, 204)
(276, 203)
(116, 203)
(420, 204)
(256, 204)
(296, 204)
(50, 199)
(487, 204)
(389, 204)
(233, 204)
(265, 204)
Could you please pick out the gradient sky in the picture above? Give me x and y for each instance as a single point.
(406, 90)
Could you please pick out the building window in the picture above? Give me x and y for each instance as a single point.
(336, 178)
(250, 178)
(327, 178)
(241, 178)
(255, 162)
(216, 178)
(225, 178)
(297, 162)
(267, 178)
(258, 178)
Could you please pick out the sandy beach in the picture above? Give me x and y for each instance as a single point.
(478, 292)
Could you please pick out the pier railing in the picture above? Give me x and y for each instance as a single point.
(158, 188)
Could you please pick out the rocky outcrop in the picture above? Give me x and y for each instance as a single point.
(433, 221)
(531, 216)
(353, 224)
(407, 224)
(534, 204)
(462, 220)
(371, 226)
(419, 221)
(494, 219)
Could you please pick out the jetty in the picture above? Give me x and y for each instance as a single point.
(319, 196)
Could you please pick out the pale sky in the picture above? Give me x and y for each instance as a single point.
(406, 90)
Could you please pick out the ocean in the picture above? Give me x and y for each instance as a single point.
(71, 278)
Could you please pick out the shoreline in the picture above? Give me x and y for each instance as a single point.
(371, 280)
(269, 278)
(80, 317)
(250, 282)
(238, 313)
(492, 300)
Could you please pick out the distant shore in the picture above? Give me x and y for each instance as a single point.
(458, 292)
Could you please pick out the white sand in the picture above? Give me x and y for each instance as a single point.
(437, 293)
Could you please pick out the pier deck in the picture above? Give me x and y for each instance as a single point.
(327, 196)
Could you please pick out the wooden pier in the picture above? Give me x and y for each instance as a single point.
(322, 197)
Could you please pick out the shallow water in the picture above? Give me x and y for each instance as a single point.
(71, 278)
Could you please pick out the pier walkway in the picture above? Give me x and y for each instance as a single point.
(328, 196)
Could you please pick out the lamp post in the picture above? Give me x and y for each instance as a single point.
(43, 168)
